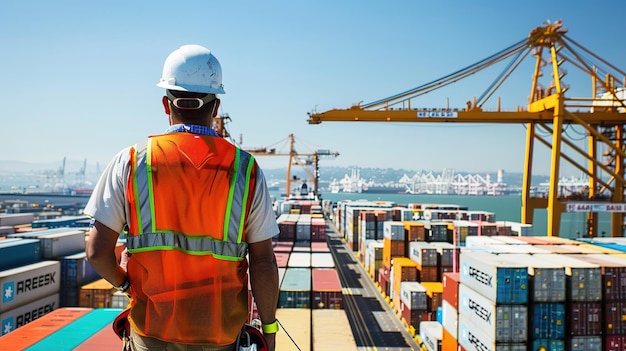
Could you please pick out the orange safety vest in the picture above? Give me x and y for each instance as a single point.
(189, 196)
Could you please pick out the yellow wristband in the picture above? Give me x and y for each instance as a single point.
(270, 328)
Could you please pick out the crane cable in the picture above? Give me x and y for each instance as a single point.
(453, 77)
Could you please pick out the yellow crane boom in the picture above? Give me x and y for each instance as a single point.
(549, 109)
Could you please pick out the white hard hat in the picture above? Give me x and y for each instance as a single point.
(192, 68)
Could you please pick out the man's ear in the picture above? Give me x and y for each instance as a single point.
(216, 107)
(166, 105)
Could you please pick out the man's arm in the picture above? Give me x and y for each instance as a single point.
(100, 251)
(264, 283)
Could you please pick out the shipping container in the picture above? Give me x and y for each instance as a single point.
(331, 331)
(59, 242)
(584, 279)
(295, 329)
(322, 260)
(434, 291)
(27, 313)
(431, 334)
(97, 294)
(282, 259)
(19, 252)
(29, 283)
(613, 275)
(499, 322)
(413, 295)
(471, 338)
(80, 330)
(327, 292)
(423, 254)
(546, 278)
(584, 319)
(27, 335)
(14, 219)
(548, 321)
(295, 290)
(76, 270)
(584, 343)
(548, 345)
(498, 279)
(414, 231)
(393, 231)
(613, 343)
(615, 318)
(450, 318)
(299, 260)
(448, 341)
(450, 284)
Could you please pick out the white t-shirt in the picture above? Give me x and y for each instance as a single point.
(108, 205)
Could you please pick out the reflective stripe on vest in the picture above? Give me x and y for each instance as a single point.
(149, 238)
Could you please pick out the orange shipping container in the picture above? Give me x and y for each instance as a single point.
(33, 332)
(392, 249)
(448, 342)
(98, 294)
(414, 231)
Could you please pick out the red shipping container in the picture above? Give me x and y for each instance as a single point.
(319, 247)
(451, 288)
(584, 319)
(615, 318)
(615, 343)
(287, 230)
(282, 246)
(327, 291)
(383, 280)
(282, 258)
(429, 274)
(414, 317)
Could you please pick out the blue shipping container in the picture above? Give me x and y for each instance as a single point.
(548, 321)
(549, 345)
(17, 253)
(77, 271)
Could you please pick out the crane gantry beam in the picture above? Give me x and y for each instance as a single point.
(601, 115)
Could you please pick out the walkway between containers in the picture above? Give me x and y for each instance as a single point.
(374, 323)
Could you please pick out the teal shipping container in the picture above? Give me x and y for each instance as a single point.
(20, 252)
(295, 289)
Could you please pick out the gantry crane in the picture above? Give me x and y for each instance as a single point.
(549, 109)
(304, 160)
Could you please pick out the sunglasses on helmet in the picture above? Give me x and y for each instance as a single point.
(190, 103)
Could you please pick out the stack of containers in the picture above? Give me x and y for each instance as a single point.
(318, 229)
(447, 258)
(367, 232)
(547, 300)
(56, 243)
(393, 246)
(29, 292)
(431, 334)
(403, 270)
(613, 299)
(582, 312)
(76, 272)
(374, 258)
(287, 227)
(462, 229)
(414, 304)
(436, 231)
(426, 257)
(303, 228)
(450, 315)
(492, 302)
(10, 221)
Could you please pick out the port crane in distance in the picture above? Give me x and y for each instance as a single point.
(549, 110)
(304, 160)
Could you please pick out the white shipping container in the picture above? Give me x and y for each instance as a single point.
(62, 244)
(502, 323)
(503, 248)
(27, 313)
(482, 240)
(423, 253)
(498, 279)
(13, 219)
(393, 230)
(413, 295)
(29, 283)
(450, 318)
(431, 335)
(299, 259)
(473, 339)
(322, 260)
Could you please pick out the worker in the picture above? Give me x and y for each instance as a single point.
(195, 208)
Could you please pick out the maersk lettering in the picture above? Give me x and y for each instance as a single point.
(480, 311)
(476, 342)
(34, 314)
(480, 276)
(430, 343)
(35, 282)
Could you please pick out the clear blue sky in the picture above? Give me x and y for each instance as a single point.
(79, 76)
